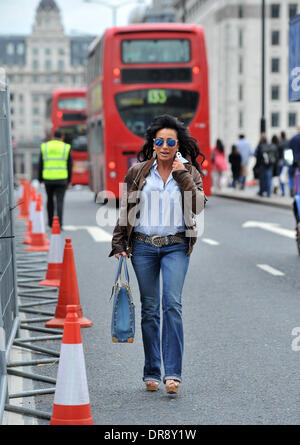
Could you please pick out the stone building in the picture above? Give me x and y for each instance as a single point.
(233, 30)
(36, 65)
(158, 11)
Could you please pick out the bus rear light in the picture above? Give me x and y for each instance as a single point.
(116, 72)
(111, 165)
(196, 69)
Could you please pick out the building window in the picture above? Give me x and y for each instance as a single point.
(275, 90)
(35, 51)
(20, 49)
(47, 51)
(10, 49)
(275, 10)
(35, 98)
(48, 79)
(292, 9)
(241, 92)
(36, 111)
(275, 120)
(275, 37)
(240, 11)
(48, 65)
(241, 119)
(61, 51)
(61, 65)
(35, 65)
(36, 79)
(275, 65)
(241, 39)
(292, 119)
(241, 64)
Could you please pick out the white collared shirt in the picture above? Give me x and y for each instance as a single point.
(160, 207)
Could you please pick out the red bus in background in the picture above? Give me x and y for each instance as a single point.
(137, 72)
(66, 111)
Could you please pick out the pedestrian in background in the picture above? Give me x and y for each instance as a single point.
(283, 162)
(266, 155)
(219, 165)
(276, 167)
(55, 170)
(245, 149)
(160, 244)
(235, 160)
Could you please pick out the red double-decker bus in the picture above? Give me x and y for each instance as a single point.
(66, 111)
(137, 72)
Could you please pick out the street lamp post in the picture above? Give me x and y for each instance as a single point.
(263, 119)
(113, 7)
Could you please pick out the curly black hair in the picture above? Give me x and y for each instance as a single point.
(187, 144)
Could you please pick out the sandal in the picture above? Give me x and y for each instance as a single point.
(172, 386)
(151, 385)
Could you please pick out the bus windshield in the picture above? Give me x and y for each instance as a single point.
(76, 136)
(72, 103)
(138, 108)
(156, 51)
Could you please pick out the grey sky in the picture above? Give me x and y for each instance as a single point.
(17, 16)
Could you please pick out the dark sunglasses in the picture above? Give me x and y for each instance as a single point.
(159, 142)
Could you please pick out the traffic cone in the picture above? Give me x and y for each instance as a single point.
(32, 206)
(38, 236)
(55, 257)
(24, 202)
(68, 291)
(71, 404)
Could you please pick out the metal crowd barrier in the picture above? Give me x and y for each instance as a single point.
(9, 318)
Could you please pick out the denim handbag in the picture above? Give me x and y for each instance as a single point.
(123, 315)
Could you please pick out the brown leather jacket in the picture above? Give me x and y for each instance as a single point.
(189, 181)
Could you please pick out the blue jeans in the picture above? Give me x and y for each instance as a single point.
(265, 180)
(173, 263)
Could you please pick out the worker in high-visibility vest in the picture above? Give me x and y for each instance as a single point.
(55, 170)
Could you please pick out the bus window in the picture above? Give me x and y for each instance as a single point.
(72, 103)
(138, 108)
(156, 51)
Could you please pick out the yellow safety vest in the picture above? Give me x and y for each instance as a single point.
(55, 160)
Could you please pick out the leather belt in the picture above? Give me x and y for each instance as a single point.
(160, 241)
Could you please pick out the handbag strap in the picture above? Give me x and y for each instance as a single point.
(122, 260)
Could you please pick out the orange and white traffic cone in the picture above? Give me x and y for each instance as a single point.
(71, 400)
(68, 291)
(39, 242)
(24, 202)
(32, 206)
(55, 257)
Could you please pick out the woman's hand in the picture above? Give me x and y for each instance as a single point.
(178, 165)
(117, 255)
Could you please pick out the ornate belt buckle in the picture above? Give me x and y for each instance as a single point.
(155, 240)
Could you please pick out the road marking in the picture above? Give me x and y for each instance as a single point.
(99, 235)
(270, 270)
(210, 241)
(271, 227)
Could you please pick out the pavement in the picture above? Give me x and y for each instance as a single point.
(249, 194)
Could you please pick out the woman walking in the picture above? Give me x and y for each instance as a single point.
(219, 165)
(161, 194)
